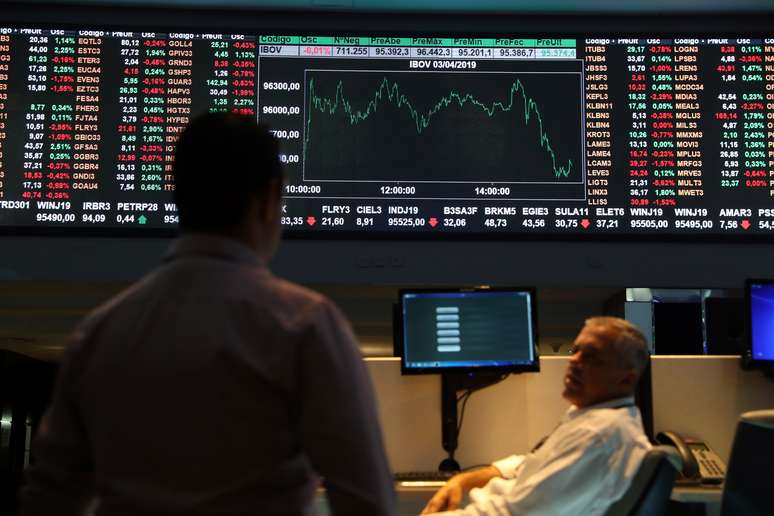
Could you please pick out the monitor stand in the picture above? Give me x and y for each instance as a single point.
(449, 387)
(451, 383)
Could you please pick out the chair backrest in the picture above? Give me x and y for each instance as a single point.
(648, 494)
(751, 467)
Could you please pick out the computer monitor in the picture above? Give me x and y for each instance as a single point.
(467, 330)
(759, 296)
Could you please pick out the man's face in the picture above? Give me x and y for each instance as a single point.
(595, 372)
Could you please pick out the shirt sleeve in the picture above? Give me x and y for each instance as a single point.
(339, 421)
(572, 482)
(61, 478)
(509, 466)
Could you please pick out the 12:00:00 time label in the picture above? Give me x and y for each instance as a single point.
(398, 190)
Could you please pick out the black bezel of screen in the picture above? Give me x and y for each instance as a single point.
(246, 19)
(749, 357)
(512, 368)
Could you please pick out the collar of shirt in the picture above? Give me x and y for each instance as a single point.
(574, 411)
(215, 246)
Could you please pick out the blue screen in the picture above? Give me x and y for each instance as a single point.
(468, 329)
(762, 320)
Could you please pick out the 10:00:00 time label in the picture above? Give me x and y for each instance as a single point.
(303, 189)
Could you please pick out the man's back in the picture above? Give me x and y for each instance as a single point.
(212, 387)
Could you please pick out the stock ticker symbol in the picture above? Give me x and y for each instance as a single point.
(311, 220)
(585, 223)
(745, 224)
(433, 221)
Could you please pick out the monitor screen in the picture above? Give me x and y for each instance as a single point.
(467, 330)
(760, 304)
(397, 133)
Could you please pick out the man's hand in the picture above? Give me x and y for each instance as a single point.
(449, 496)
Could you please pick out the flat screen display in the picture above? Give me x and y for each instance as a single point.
(760, 302)
(486, 135)
(467, 330)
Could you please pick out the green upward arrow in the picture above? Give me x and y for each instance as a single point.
(142, 219)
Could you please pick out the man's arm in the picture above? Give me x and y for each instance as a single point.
(449, 496)
(60, 480)
(339, 423)
(570, 483)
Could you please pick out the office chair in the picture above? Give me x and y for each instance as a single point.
(649, 491)
(751, 467)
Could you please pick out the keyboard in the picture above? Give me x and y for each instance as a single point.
(423, 476)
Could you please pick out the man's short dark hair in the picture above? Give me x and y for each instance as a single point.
(629, 343)
(222, 161)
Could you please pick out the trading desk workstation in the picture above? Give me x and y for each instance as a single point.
(468, 182)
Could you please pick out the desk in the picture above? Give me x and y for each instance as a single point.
(704, 499)
(697, 494)
(412, 499)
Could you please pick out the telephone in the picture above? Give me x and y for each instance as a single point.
(701, 465)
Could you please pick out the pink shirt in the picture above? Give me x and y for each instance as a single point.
(211, 387)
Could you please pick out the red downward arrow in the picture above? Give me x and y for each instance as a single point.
(311, 220)
(433, 221)
(585, 223)
(745, 224)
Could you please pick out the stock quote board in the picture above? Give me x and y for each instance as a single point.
(400, 135)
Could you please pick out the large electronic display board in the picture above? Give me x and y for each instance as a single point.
(394, 134)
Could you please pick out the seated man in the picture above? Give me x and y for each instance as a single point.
(588, 461)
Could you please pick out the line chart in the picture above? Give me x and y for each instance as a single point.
(442, 127)
(390, 92)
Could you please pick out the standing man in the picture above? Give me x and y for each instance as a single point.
(211, 387)
(588, 461)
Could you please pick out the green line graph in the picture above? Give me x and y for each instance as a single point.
(390, 92)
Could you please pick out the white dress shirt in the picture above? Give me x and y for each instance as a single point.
(584, 466)
(211, 387)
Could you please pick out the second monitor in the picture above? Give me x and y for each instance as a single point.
(466, 330)
(471, 337)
